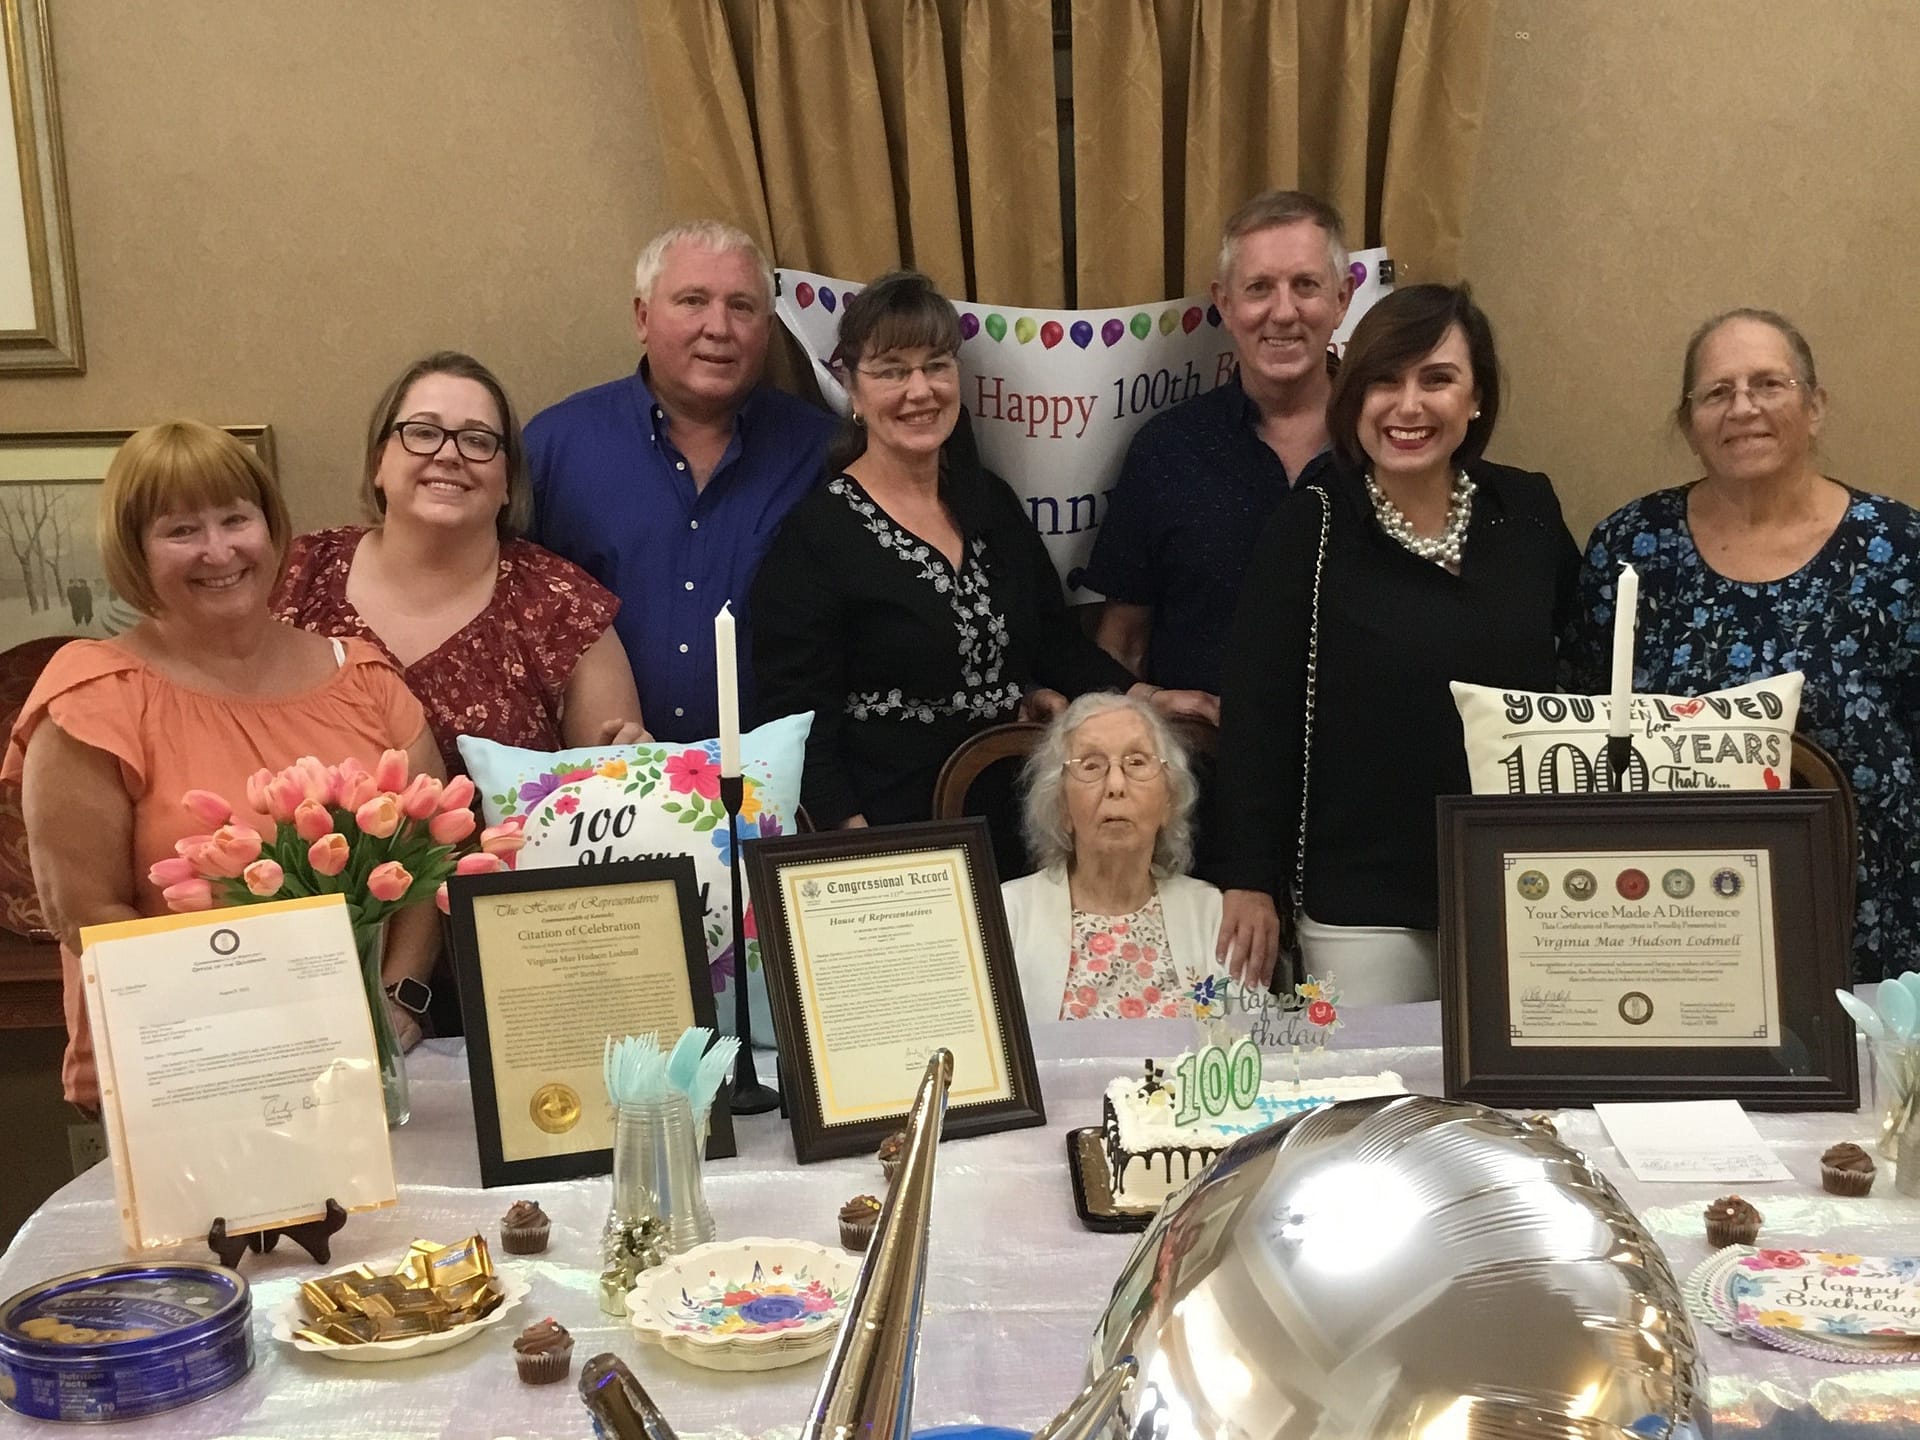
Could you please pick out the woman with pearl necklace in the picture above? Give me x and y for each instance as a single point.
(1411, 563)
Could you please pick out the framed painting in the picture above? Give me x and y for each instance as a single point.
(39, 295)
(51, 579)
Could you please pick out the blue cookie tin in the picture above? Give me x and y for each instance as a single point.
(65, 1353)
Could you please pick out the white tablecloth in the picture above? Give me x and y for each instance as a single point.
(1015, 1282)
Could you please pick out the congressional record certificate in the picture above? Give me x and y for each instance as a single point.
(892, 965)
(1654, 949)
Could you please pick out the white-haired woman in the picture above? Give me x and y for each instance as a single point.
(1111, 925)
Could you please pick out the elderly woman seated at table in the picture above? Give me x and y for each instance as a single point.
(1111, 925)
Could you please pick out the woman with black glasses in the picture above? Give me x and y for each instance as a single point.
(497, 637)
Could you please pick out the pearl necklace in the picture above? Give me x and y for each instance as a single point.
(1443, 549)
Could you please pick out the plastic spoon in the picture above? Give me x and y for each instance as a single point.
(1899, 1009)
(1911, 979)
(1863, 1016)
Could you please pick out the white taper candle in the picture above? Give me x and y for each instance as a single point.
(727, 665)
(1626, 602)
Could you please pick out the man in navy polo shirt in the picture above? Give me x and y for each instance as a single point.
(667, 485)
(1200, 480)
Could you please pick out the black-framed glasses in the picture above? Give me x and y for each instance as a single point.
(422, 437)
(1136, 765)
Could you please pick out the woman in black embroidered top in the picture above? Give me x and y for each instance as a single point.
(1439, 565)
(908, 602)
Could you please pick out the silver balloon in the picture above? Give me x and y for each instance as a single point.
(1401, 1267)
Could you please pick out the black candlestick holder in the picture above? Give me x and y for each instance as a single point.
(749, 1096)
(1619, 757)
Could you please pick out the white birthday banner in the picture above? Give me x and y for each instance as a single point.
(1057, 394)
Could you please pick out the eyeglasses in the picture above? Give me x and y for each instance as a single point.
(1765, 391)
(1136, 766)
(418, 437)
(941, 370)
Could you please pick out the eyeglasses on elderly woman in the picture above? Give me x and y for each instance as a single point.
(1138, 766)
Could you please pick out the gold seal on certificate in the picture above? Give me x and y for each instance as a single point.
(1597, 956)
(555, 1108)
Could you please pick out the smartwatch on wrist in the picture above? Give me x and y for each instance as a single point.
(411, 995)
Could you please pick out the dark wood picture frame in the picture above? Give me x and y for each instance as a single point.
(462, 892)
(1817, 1065)
(813, 1139)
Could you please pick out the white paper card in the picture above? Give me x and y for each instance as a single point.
(1690, 1140)
(238, 1075)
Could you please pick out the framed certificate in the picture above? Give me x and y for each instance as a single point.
(882, 945)
(552, 962)
(1647, 947)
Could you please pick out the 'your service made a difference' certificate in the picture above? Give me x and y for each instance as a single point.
(892, 965)
(1618, 948)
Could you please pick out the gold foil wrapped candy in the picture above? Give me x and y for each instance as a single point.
(436, 1288)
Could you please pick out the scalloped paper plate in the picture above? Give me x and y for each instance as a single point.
(290, 1317)
(752, 1304)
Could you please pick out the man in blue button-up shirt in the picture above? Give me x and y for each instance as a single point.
(667, 486)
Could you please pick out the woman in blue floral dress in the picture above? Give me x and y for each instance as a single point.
(1763, 566)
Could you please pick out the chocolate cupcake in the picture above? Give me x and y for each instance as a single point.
(1732, 1221)
(857, 1219)
(893, 1150)
(544, 1352)
(524, 1228)
(1846, 1169)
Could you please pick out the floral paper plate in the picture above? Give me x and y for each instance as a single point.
(290, 1317)
(745, 1304)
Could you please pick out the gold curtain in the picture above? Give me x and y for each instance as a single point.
(856, 135)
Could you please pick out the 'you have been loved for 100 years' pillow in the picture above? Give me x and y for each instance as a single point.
(1520, 742)
(636, 802)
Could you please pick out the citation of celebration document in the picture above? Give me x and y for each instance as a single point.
(238, 1077)
(892, 965)
(1654, 949)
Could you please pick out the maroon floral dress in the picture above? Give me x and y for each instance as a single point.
(503, 674)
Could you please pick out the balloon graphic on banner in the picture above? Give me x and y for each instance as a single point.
(803, 292)
(1141, 325)
(1213, 315)
(1024, 329)
(828, 299)
(1111, 332)
(1168, 319)
(969, 325)
(1190, 321)
(1051, 334)
(997, 327)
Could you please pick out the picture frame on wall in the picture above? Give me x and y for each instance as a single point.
(881, 945)
(39, 290)
(1647, 947)
(51, 580)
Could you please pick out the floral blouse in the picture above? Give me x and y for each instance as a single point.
(1847, 620)
(504, 674)
(1122, 968)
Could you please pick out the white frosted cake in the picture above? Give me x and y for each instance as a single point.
(1149, 1156)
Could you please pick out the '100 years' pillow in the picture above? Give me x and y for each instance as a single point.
(1523, 743)
(631, 802)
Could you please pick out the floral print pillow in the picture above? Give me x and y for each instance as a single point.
(628, 802)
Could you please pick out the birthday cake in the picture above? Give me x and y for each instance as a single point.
(1150, 1154)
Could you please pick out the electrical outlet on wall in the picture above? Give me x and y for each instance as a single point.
(86, 1144)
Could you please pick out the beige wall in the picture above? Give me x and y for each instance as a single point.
(277, 206)
(1650, 162)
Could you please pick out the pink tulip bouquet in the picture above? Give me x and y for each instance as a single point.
(381, 838)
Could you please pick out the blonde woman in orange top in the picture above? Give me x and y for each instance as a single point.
(204, 691)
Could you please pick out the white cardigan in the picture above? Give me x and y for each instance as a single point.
(1040, 915)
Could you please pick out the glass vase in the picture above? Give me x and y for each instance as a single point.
(659, 1197)
(1899, 1072)
(371, 941)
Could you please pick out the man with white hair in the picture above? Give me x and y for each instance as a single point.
(667, 485)
(1200, 479)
